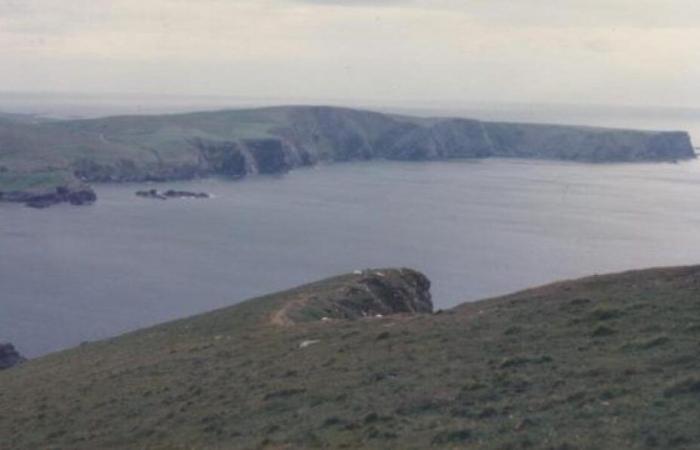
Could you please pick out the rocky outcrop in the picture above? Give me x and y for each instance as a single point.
(227, 158)
(151, 193)
(385, 292)
(237, 159)
(155, 194)
(81, 195)
(365, 294)
(170, 193)
(9, 357)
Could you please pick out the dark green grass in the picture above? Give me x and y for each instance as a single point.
(607, 362)
(34, 181)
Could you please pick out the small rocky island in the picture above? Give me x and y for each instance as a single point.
(43, 198)
(9, 356)
(156, 194)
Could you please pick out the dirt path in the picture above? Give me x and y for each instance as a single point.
(281, 316)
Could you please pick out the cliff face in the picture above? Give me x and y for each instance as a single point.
(274, 140)
(453, 138)
(368, 293)
(587, 144)
(302, 136)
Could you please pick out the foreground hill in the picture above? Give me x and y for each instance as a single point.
(359, 361)
(37, 157)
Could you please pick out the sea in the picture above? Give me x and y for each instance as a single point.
(477, 229)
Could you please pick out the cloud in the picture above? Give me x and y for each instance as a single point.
(352, 3)
(547, 13)
(506, 50)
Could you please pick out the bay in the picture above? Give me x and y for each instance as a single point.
(476, 228)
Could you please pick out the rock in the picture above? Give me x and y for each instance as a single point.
(230, 159)
(81, 197)
(185, 194)
(155, 194)
(393, 292)
(379, 294)
(9, 357)
(77, 195)
(365, 297)
(151, 193)
(41, 202)
(308, 343)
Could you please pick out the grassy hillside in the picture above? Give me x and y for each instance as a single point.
(236, 143)
(606, 362)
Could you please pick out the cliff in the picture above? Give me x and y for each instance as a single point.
(237, 143)
(359, 361)
(369, 293)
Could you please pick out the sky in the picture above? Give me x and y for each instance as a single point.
(618, 52)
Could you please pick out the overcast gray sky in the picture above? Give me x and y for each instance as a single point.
(633, 52)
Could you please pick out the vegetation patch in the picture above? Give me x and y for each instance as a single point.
(647, 343)
(447, 438)
(523, 360)
(603, 331)
(605, 313)
(34, 181)
(689, 385)
(451, 380)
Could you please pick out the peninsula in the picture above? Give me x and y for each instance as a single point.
(53, 161)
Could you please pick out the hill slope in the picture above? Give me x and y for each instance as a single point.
(237, 143)
(602, 362)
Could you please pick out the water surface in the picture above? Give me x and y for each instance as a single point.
(477, 229)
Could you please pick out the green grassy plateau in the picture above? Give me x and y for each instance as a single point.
(605, 362)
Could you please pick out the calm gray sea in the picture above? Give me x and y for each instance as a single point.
(477, 229)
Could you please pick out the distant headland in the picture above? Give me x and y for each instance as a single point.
(53, 161)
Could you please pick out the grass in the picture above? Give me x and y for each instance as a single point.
(32, 181)
(602, 362)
